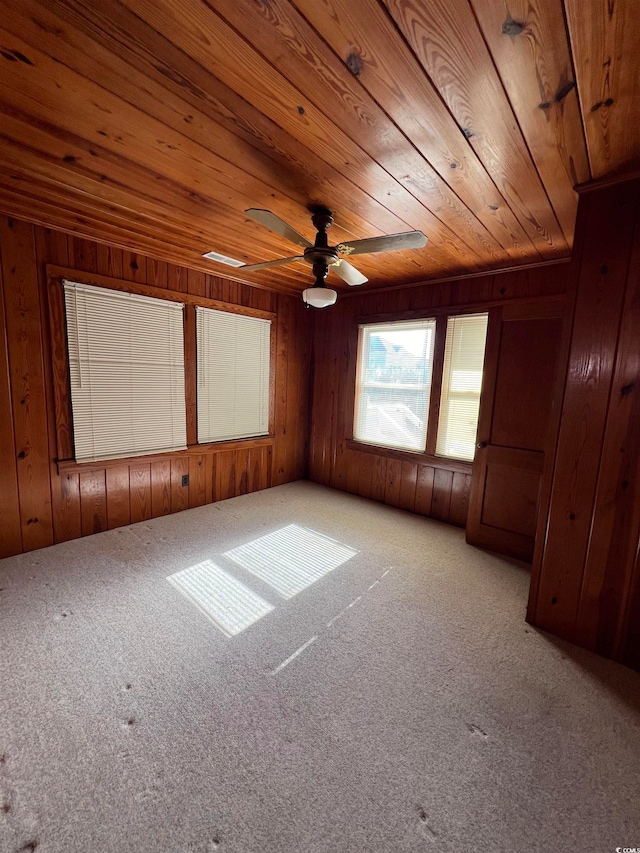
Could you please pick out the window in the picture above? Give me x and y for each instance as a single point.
(126, 366)
(395, 367)
(461, 386)
(396, 370)
(233, 355)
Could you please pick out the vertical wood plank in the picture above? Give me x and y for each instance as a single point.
(109, 261)
(140, 492)
(242, 472)
(281, 386)
(353, 471)
(460, 489)
(197, 480)
(83, 254)
(52, 247)
(160, 488)
(209, 286)
(394, 481)
(409, 477)
(55, 246)
(245, 295)
(320, 400)
(68, 514)
(424, 490)
(343, 403)
(93, 502)
(179, 493)
(379, 479)
(22, 311)
(118, 496)
(298, 394)
(441, 499)
(269, 467)
(177, 278)
(629, 641)
(264, 300)
(365, 475)
(265, 457)
(157, 273)
(210, 478)
(196, 283)
(134, 267)
(225, 475)
(10, 527)
(254, 468)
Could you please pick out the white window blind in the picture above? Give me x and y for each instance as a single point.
(394, 384)
(461, 386)
(126, 363)
(233, 375)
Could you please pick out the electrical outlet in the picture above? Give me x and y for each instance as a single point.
(185, 479)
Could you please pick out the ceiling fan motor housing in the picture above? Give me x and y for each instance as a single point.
(321, 256)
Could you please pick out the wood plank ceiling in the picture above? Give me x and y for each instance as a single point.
(153, 124)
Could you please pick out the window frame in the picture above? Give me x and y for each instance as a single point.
(145, 404)
(65, 457)
(358, 387)
(428, 455)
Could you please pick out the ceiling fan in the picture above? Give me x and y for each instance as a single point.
(324, 257)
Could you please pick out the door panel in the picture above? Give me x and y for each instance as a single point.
(526, 373)
(519, 379)
(510, 498)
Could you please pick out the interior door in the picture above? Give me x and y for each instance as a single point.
(523, 343)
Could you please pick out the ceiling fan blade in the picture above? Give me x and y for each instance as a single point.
(391, 243)
(266, 264)
(348, 273)
(274, 223)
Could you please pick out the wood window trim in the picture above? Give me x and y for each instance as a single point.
(444, 462)
(453, 279)
(58, 273)
(454, 310)
(436, 384)
(70, 466)
(65, 461)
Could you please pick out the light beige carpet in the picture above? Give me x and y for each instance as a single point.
(301, 671)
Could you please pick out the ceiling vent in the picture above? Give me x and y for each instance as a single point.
(223, 259)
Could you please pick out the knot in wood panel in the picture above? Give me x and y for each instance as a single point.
(606, 103)
(564, 90)
(512, 27)
(15, 56)
(354, 63)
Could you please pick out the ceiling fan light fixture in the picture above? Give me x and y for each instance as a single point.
(319, 297)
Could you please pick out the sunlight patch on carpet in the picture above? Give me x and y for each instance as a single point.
(291, 559)
(229, 604)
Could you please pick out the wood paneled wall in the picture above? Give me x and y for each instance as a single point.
(438, 490)
(39, 505)
(586, 578)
